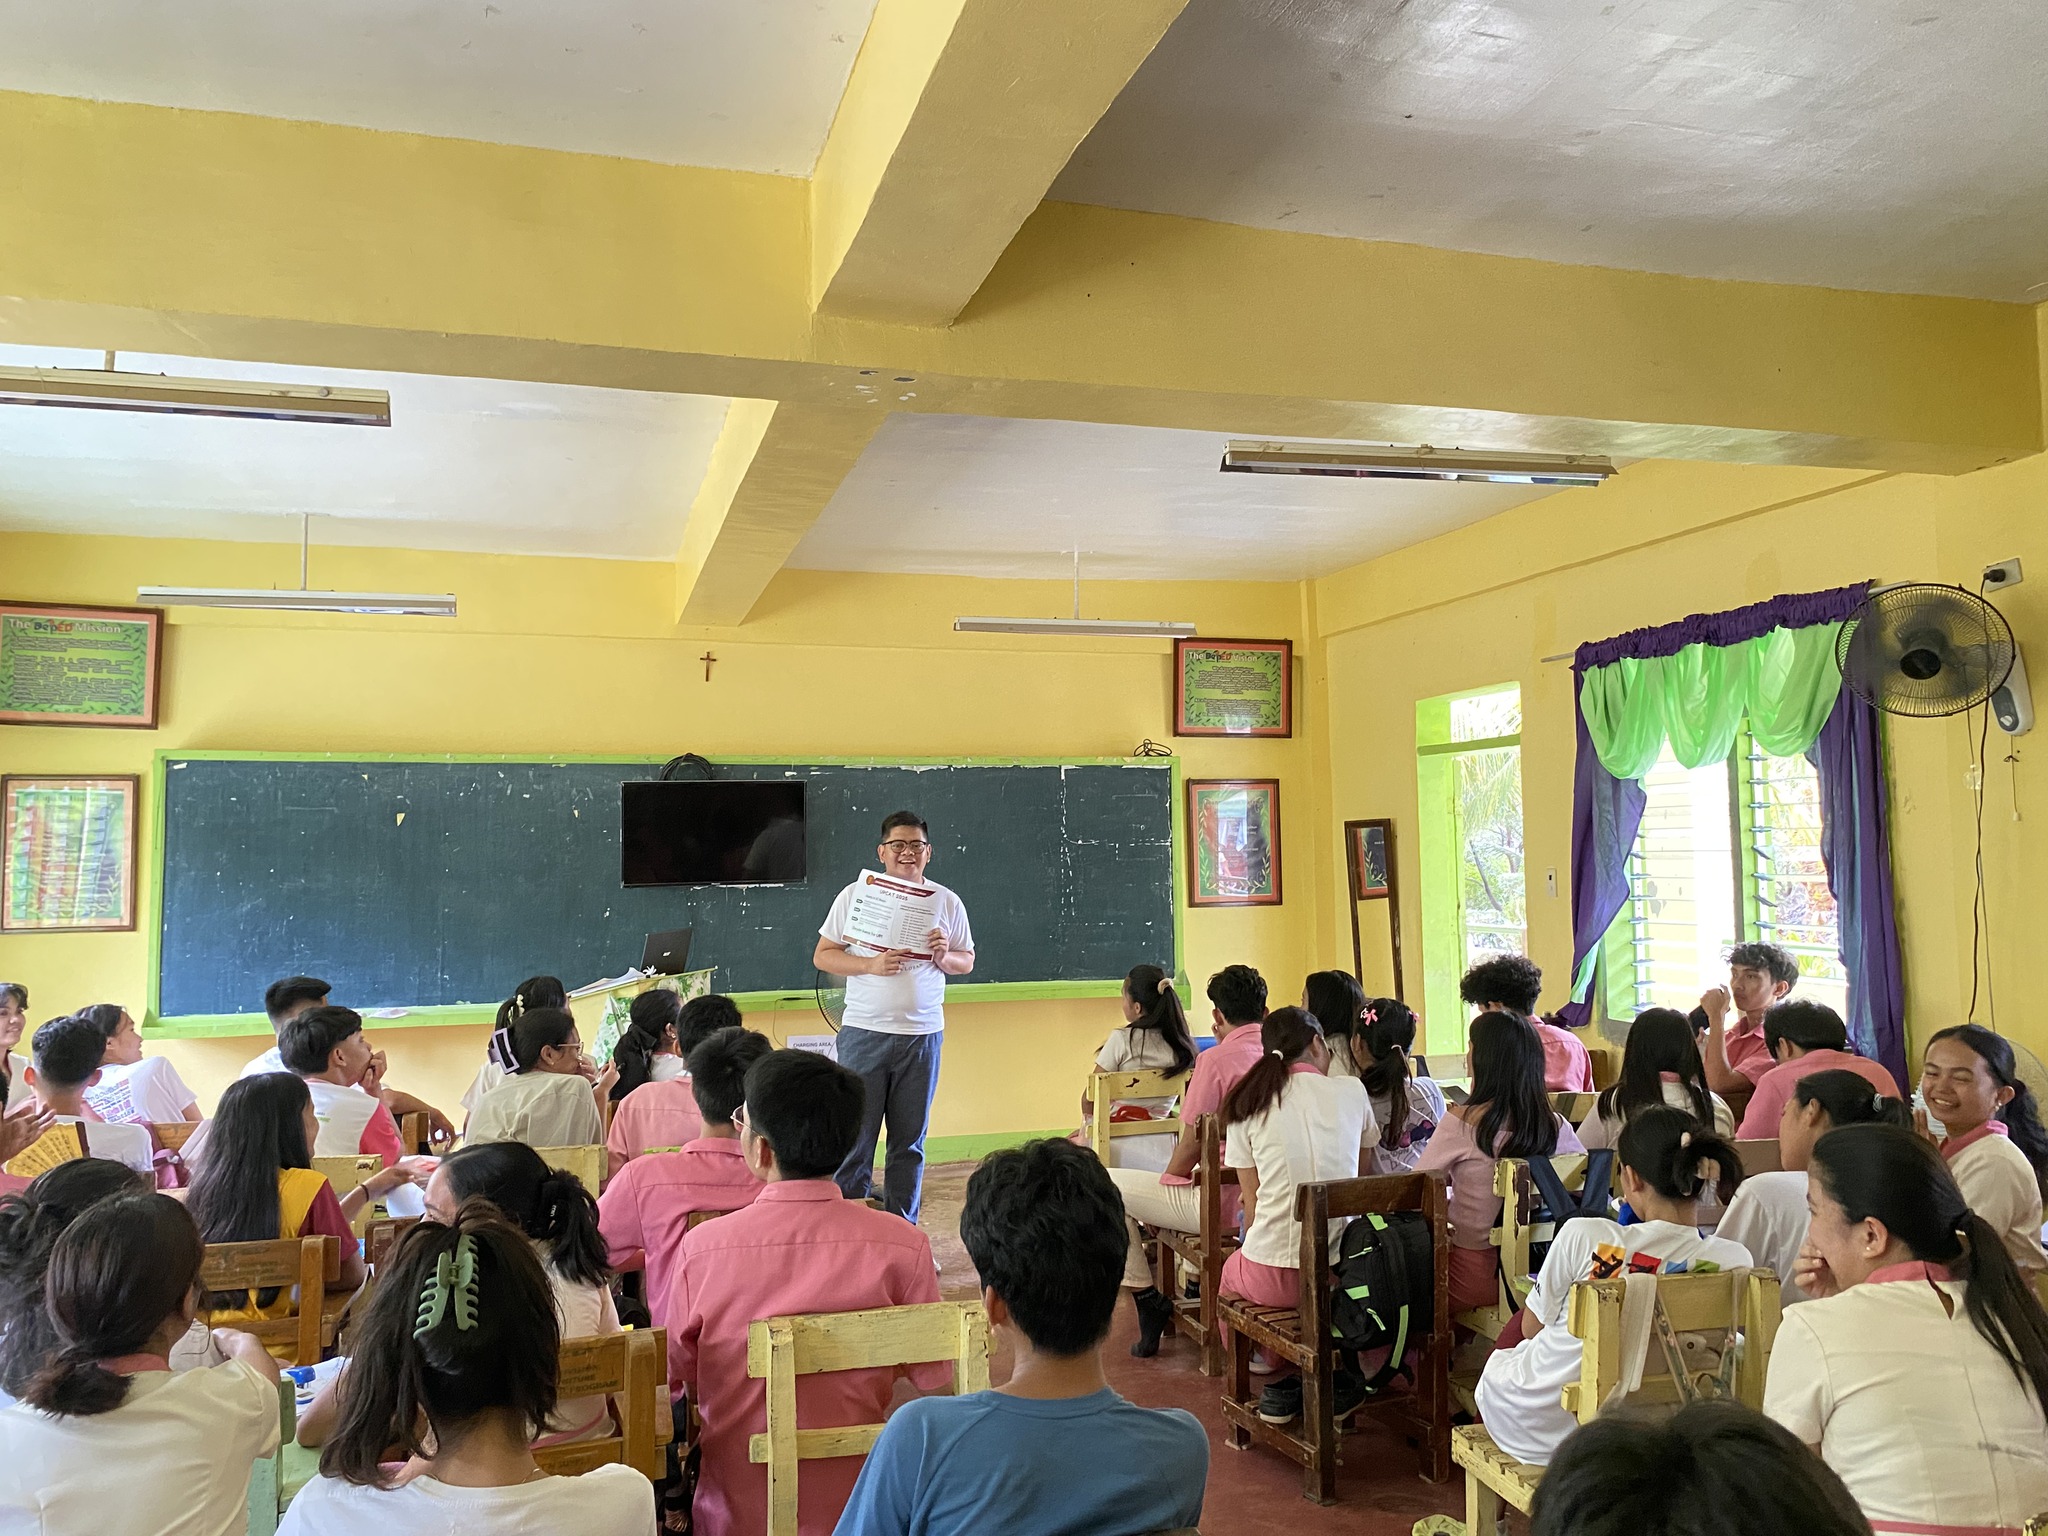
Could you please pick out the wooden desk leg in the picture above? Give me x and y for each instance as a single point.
(1240, 1388)
(1319, 1429)
(1212, 1336)
(1486, 1512)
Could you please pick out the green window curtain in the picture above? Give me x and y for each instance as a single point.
(1784, 682)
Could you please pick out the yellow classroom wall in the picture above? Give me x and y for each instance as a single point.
(558, 656)
(1484, 605)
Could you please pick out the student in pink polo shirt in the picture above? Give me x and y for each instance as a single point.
(1237, 998)
(647, 1207)
(1805, 1037)
(1735, 1053)
(654, 1109)
(801, 1246)
(1512, 984)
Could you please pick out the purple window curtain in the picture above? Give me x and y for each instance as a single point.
(1856, 837)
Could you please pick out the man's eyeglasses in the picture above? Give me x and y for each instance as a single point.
(902, 847)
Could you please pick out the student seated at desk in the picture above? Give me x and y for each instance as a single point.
(1659, 1065)
(257, 1184)
(660, 1114)
(457, 1364)
(648, 1204)
(1768, 1215)
(1512, 984)
(1712, 1467)
(1665, 1154)
(284, 1001)
(1736, 1055)
(1994, 1143)
(67, 1063)
(13, 1067)
(1054, 1448)
(549, 1101)
(31, 1221)
(135, 1089)
(1919, 1369)
(801, 1247)
(106, 1439)
(1377, 1046)
(1804, 1037)
(1508, 1115)
(1153, 1038)
(534, 992)
(326, 1047)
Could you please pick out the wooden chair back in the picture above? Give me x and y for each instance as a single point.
(1516, 1233)
(307, 1263)
(630, 1368)
(415, 1133)
(1705, 1303)
(1605, 1061)
(1106, 1088)
(780, 1349)
(347, 1173)
(697, 1219)
(1759, 1157)
(381, 1236)
(1203, 1250)
(1574, 1106)
(171, 1135)
(587, 1163)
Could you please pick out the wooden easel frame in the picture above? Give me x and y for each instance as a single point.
(1355, 884)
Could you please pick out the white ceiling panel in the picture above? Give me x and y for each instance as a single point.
(986, 496)
(1897, 145)
(467, 464)
(747, 85)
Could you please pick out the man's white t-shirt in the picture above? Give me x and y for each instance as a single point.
(912, 1002)
(149, 1091)
(343, 1114)
(128, 1145)
(175, 1456)
(605, 1501)
(271, 1060)
(1768, 1216)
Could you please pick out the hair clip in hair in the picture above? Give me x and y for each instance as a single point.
(1369, 1015)
(1165, 985)
(453, 1281)
(518, 1004)
(1685, 1138)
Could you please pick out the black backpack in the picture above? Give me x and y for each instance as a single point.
(1384, 1291)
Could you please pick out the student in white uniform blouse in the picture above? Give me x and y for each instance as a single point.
(1919, 1369)
(1377, 1049)
(481, 1391)
(1994, 1145)
(107, 1439)
(1664, 1155)
(1153, 1038)
(1768, 1214)
(1659, 1065)
(549, 1101)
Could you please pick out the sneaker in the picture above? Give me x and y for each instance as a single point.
(1280, 1403)
(1262, 1363)
(1347, 1394)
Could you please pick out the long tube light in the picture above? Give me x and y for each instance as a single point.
(1363, 462)
(440, 605)
(105, 389)
(1144, 629)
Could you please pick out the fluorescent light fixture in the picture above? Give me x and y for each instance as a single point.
(439, 605)
(1365, 462)
(104, 389)
(1146, 629)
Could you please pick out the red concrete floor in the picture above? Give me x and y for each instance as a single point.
(1251, 1492)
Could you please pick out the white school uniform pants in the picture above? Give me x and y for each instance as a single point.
(1174, 1206)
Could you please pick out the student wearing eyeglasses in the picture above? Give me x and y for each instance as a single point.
(895, 1019)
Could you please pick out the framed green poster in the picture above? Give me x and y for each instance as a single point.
(1233, 687)
(1233, 842)
(67, 853)
(77, 665)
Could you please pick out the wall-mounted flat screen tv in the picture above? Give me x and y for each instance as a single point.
(711, 832)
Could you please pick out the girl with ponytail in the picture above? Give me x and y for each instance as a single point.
(1919, 1370)
(648, 1051)
(559, 1217)
(1994, 1143)
(106, 1438)
(1286, 1124)
(30, 1224)
(550, 1099)
(1507, 1115)
(1406, 1106)
(1669, 1162)
(1660, 1065)
(534, 992)
(1768, 1214)
(1153, 1038)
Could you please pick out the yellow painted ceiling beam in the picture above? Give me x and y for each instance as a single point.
(958, 116)
(772, 471)
(216, 235)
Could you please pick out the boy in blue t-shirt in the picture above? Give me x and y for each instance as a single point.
(1053, 1449)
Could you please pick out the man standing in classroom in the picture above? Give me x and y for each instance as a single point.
(895, 1019)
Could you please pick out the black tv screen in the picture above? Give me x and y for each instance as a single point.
(711, 832)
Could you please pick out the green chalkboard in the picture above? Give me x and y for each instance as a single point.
(410, 882)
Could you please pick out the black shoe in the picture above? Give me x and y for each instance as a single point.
(1155, 1312)
(1280, 1403)
(1192, 1290)
(1347, 1394)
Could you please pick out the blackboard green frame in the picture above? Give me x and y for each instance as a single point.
(204, 1025)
